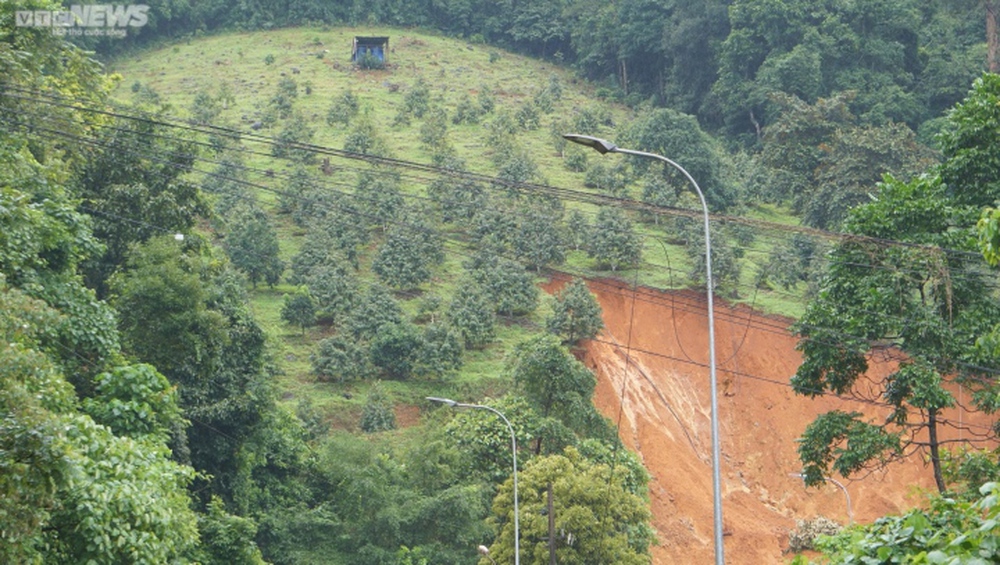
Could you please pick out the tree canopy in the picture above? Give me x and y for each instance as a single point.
(576, 315)
(949, 531)
(922, 294)
(597, 519)
(139, 418)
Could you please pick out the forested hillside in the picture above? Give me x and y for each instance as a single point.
(233, 264)
(828, 96)
(720, 60)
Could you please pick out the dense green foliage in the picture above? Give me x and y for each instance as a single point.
(377, 415)
(613, 241)
(719, 60)
(140, 418)
(924, 296)
(598, 519)
(407, 256)
(670, 133)
(299, 309)
(252, 246)
(471, 313)
(969, 146)
(557, 386)
(825, 161)
(950, 531)
(73, 489)
(576, 314)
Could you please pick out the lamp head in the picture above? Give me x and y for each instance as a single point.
(600, 145)
(446, 401)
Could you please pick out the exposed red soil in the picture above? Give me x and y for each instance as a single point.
(653, 380)
(407, 415)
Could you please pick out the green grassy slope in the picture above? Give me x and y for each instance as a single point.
(450, 67)
(250, 67)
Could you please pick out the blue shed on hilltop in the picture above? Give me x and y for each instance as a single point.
(370, 47)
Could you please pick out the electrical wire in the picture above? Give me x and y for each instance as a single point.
(344, 184)
(261, 187)
(752, 251)
(774, 328)
(733, 372)
(566, 194)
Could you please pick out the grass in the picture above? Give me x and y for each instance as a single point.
(318, 58)
(452, 69)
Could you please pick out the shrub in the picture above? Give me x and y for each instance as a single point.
(341, 359)
(343, 109)
(543, 101)
(394, 350)
(418, 98)
(804, 535)
(364, 138)
(555, 88)
(527, 116)
(370, 62)
(575, 159)
(440, 352)
(576, 314)
(299, 310)
(377, 415)
(466, 111)
(471, 313)
(487, 102)
(434, 131)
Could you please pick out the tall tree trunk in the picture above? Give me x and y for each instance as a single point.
(623, 72)
(935, 454)
(992, 40)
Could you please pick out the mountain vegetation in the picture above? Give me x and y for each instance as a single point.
(225, 265)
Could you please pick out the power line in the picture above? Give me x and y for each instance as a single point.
(774, 328)
(415, 196)
(567, 194)
(755, 377)
(236, 135)
(272, 141)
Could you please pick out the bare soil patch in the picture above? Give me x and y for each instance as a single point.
(653, 381)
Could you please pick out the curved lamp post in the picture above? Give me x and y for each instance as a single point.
(483, 550)
(847, 495)
(602, 147)
(513, 446)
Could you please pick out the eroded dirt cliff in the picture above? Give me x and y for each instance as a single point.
(653, 380)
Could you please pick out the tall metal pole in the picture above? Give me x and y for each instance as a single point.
(603, 146)
(513, 447)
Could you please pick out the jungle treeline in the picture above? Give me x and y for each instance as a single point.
(719, 60)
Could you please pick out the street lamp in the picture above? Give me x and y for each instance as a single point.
(602, 147)
(513, 448)
(847, 495)
(483, 550)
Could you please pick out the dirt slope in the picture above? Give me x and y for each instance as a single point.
(654, 383)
